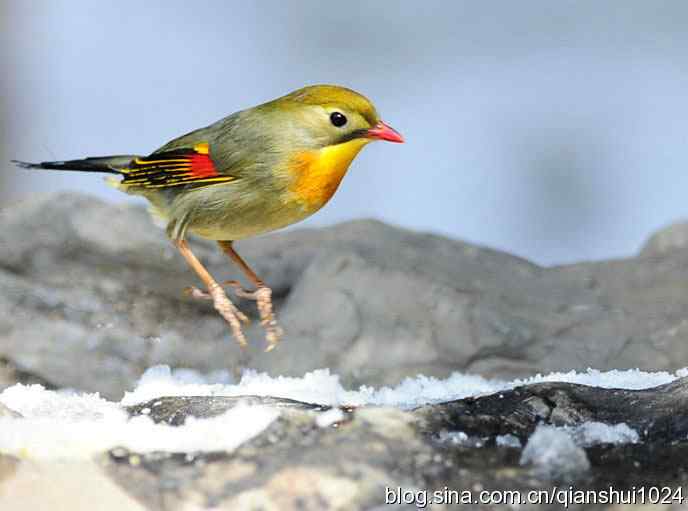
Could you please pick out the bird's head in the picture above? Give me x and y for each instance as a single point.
(326, 115)
(309, 138)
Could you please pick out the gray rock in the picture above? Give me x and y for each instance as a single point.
(92, 295)
(174, 410)
(377, 454)
(656, 413)
(372, 455)
(293, 465)
(668, 239)
(11, 374)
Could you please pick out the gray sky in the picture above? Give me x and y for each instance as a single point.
(554, 130)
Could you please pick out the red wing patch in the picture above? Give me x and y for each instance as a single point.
(181, 167)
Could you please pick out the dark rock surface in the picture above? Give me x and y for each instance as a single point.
(369, 453)
(92, 295)
(174, 410)
(297, 465)
(655, 413)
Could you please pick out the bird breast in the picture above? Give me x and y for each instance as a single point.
(315, 175)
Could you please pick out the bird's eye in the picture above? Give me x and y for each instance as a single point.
(338, 119)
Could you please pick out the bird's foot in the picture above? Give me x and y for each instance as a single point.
(224, 307)
(263, 298)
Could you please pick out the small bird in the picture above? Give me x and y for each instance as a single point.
(253, 172)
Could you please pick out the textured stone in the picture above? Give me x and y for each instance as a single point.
(92, 296)
(668, 239)
(352, 463)
(297, 465)
(44, 486)
(97, 283)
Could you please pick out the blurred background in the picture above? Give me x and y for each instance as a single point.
(557, 131)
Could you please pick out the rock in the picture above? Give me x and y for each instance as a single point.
(295, 464)
(77, 486)
(379, 451)
(370, 456)
(175, 409)
(11, 374)
(92, 296)
(373, 452)
(97, 283)
(668, 239)
(378, 454)
(651, 412)
(8, 468)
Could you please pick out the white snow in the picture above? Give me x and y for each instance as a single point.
(508, 441)
(330, 417)
(591, 433)
(69, 424)
(557, 452)
(554, 455)
(323, 387)
(453, 437)
(65, 425)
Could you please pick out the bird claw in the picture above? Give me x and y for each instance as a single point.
(224, 307)
(197, 293)
(227, 310)
(263, 298)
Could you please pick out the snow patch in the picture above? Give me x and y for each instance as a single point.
(508, 441)
(554, 455)
(557, 452)
(66, 425)
(591, 433)
(59, 424)
(323, 387)
(453, 437)
(329, 418)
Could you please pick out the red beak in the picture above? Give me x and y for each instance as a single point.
(382, 131)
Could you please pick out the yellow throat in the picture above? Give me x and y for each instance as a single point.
(317, 174)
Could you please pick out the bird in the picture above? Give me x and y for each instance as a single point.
(252, 172)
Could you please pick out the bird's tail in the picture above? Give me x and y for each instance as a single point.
(109, 164)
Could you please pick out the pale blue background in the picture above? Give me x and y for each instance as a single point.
(554, 130)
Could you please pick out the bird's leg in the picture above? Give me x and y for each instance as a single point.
(262, 295)
(223, 305)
